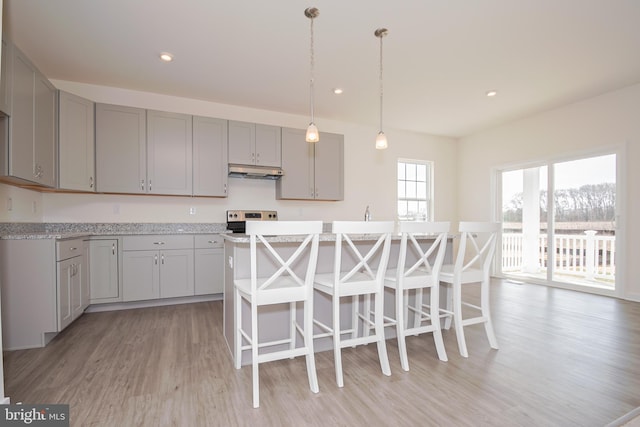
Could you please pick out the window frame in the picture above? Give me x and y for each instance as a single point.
(429, 184)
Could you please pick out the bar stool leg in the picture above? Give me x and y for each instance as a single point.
(379, 327)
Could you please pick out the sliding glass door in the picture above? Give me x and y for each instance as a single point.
(568, 238)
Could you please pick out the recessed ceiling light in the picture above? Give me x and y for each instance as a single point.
(166, 57)
(492, 93)
(337, 91)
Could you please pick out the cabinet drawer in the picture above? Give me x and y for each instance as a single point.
(157, 242)
(66, 249)
(205, 241)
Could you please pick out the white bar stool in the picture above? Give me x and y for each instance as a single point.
(422, 272)
(358, 269)
(291, 282)
(472, 265)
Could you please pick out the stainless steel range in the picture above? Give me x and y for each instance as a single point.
(237, 220)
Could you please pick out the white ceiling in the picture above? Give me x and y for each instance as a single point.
(440, 57)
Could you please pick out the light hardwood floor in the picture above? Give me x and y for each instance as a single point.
(565, 359)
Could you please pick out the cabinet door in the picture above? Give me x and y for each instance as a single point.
(120, 149)
(329, 167)
(176, 273)
(6, 72)
(242, 138)
(21, 142)
(77, 287)
(76, 142)
(297, 165)
(210, 165)
(268, 146)
(140, 275)
(65, 273)
(85, 276)
(44, 129)
(103, 270)
(209, 271)
(169, 153)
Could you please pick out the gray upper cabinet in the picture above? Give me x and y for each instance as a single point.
(5, 80)
(120, 149)
(311, 171)
(76, 143)
(254, 144)
(329, 167)
(29, 133)
(169, 153)
(210, 168)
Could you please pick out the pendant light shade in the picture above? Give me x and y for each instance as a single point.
(312, 133)
(312, 129)
(381, 139)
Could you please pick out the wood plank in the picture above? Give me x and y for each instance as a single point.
(565, 358)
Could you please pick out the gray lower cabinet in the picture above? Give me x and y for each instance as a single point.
(103, 271)
(209, 264)
(76, 143)
(44, 288)
(120, 149)
(72, 277)
(157, 266)
(312, 171)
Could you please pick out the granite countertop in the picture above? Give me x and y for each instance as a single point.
(324, 237)
(32, 231)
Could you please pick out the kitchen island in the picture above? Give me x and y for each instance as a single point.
(273, 319)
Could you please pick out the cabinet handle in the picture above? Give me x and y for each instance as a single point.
(162, 259)
(38, 171)
(113, 249)
(158, 243)
(225, 188)
(90, 182)
(142, 184)
(149, 186)
(212, 241)
(155, 259)
(73, 249)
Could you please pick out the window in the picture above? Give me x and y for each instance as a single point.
(415, 190)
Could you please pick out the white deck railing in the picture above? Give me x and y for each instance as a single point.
(588, 255)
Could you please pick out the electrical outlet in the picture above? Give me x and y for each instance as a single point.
(192, 210)
(34, 206)
(9, 204)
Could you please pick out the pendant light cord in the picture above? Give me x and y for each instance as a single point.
(381, 88)
(312, 65)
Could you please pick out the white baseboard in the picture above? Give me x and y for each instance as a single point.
(95, 308)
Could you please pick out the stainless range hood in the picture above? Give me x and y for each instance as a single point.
(255, 172)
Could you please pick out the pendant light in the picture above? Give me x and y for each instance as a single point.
(381, 139)
(312, 130)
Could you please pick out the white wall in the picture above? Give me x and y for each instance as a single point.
(369, 174)
(604, 121)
